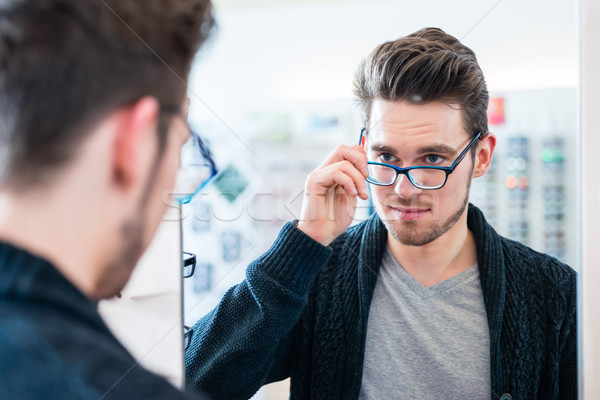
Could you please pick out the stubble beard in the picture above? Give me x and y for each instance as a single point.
(409, 235)
(132, 231)
(125, 260)
(132, 238)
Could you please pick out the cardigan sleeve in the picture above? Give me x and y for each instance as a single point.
(246, 341)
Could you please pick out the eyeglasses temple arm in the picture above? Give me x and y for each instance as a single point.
(362, 132)
(464, 152)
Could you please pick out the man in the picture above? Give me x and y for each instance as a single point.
(92, 104)
(424, 300)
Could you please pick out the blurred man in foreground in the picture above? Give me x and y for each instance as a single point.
(92, 123)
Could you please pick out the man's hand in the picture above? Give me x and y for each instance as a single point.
(330, 194)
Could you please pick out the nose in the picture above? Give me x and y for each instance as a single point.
(404, 187)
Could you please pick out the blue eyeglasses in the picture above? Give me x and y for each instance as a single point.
(423, 177)
(197, 167)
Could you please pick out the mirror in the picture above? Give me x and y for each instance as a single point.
(273, 95)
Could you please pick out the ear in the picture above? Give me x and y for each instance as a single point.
(135, 124)
(483, 155)
(185, 107)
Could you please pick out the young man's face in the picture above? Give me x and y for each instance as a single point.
(405, 135)
(139, 229)
(163, 182)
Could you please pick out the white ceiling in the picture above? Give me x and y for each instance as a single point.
(270, 51)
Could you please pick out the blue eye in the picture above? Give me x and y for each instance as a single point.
(386, 157)
(434, 159)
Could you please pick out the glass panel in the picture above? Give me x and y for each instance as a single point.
(193, 172)
(428, 178)
(382, 174)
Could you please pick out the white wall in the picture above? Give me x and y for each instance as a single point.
(147, 318)
(590, 231)
(310, 52)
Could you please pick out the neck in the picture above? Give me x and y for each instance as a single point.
(59, 229)
(440, 259)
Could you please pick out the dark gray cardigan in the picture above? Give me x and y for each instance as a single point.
(303, 310)
(54, 344)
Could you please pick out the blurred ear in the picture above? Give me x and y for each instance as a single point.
(483, 155)
(185, 107)
(134, 137)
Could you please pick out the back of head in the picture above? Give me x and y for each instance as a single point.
(428, 65)
(66, 63)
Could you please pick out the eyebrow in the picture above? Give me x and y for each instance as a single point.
(382, 148)
(437, 148)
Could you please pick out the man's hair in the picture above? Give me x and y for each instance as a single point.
(428, 65)
(65, 64)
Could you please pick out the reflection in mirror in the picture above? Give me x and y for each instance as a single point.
(273, 96)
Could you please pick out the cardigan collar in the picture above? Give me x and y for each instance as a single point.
(492, 272)
(30, 278)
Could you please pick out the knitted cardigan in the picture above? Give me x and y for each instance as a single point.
(302, 312)
(54, 345)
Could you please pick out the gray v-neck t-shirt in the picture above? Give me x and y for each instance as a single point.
(426, 342)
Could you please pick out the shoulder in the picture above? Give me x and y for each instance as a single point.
(32, 345)
(535, 262)
(70, 358)
(522, 266)
(542, 277)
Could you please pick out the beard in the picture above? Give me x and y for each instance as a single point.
(120, 268)
(132, 232)
(409, 234)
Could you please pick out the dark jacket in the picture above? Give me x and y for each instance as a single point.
(54, 345)
(303, 314)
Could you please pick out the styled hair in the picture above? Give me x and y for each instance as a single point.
(428, 65)
(66, 64)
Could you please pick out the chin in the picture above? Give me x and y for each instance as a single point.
(414, 237)
(112, 285)
(419, 231)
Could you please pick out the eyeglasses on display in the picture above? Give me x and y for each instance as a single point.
(189, 264)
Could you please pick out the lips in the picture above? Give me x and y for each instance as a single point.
(410, 213)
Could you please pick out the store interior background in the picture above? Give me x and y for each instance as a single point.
(272, 94)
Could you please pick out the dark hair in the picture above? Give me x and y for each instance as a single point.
(428, 65)
(64, 64)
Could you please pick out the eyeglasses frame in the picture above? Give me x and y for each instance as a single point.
(188, 331)
(406, 170)
(189, 259)
(204, 152)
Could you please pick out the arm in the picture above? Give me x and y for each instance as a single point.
(246, 341)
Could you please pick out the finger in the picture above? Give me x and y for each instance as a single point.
(329, 180)
(342, 173)
(357, 158)
(355, 154)
(357, 177)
